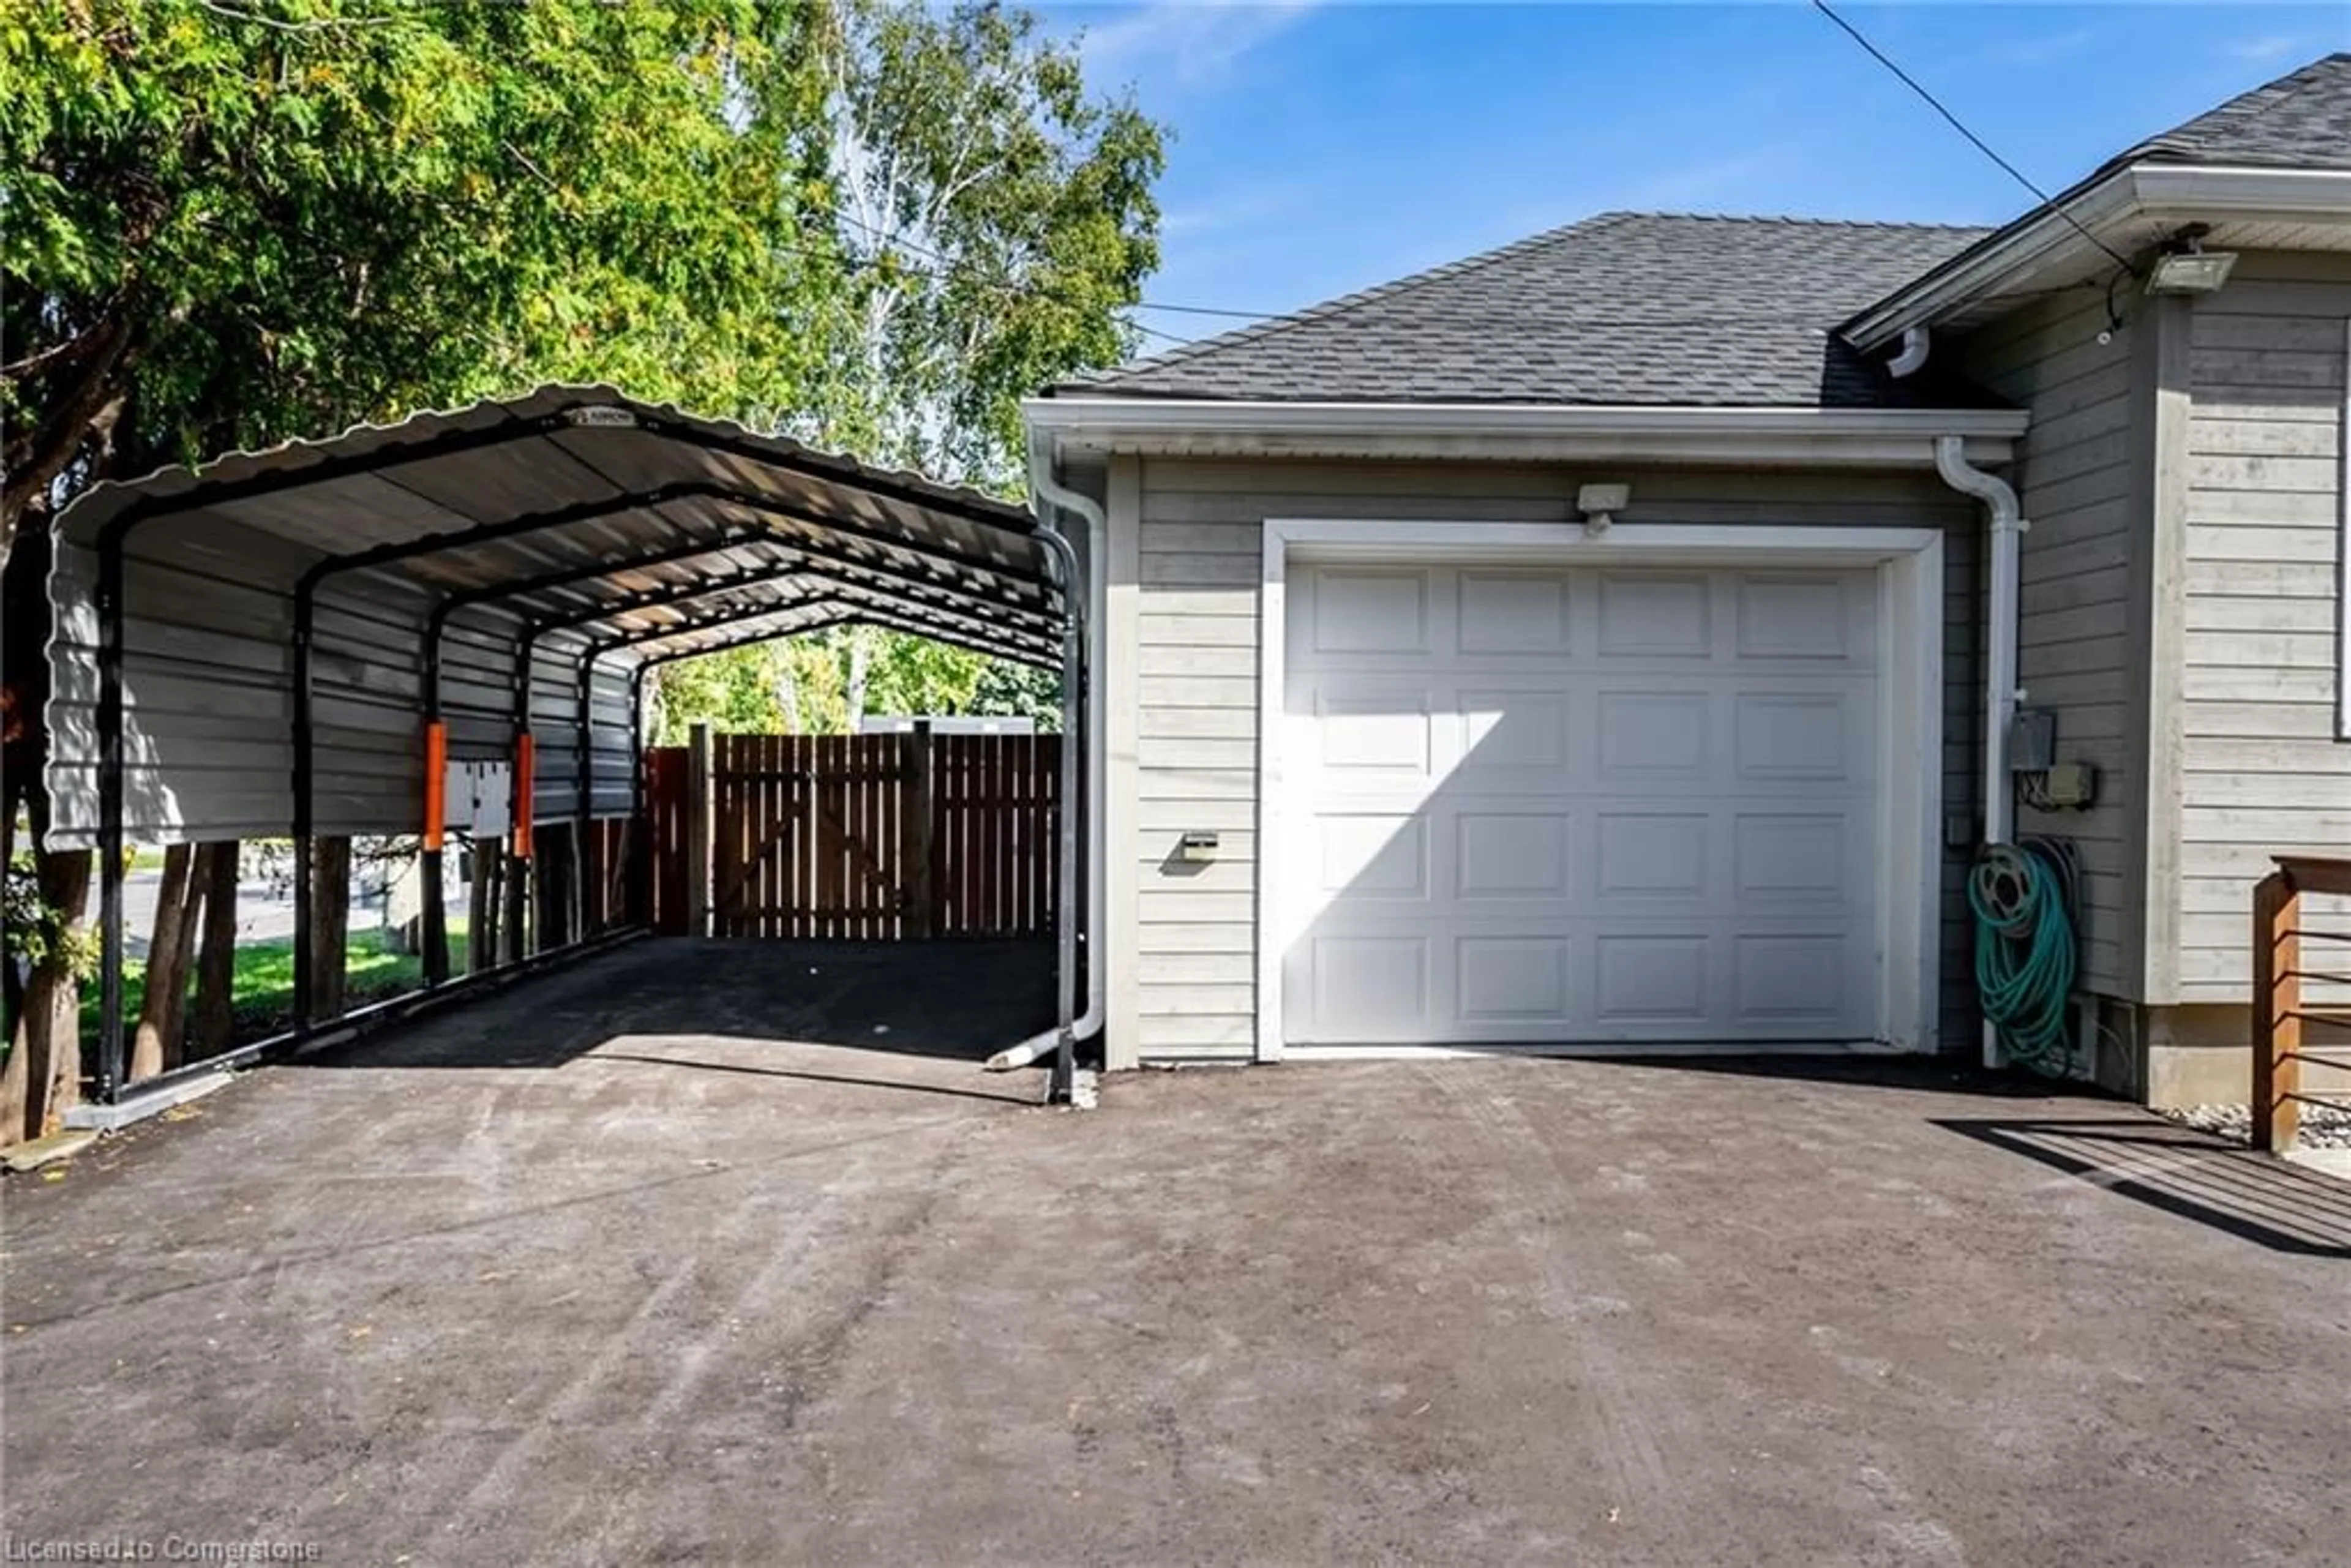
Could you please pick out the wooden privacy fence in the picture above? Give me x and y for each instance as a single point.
(861, 837)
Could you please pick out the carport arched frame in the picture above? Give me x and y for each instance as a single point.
(664, 493)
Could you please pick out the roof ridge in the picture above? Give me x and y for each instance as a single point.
(2180, 141)
(1803, 219)
(1322, 311)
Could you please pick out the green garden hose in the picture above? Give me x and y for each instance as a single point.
(2025, 951)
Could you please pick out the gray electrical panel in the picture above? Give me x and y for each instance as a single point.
(2031, 741)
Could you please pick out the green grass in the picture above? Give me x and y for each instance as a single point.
(264, 987)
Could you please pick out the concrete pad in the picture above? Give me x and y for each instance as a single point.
(668, 1258)
(32, 1155)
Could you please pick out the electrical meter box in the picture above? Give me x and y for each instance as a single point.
(2031, 741)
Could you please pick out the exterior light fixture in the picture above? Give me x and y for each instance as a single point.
(2191, 271)
(1599, 503)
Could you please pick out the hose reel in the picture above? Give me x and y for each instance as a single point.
(2023, 896)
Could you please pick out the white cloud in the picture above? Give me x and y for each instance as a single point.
(1196, 42)
(1231, 207)
(1721, 184)
(2046, 49)
(2264, 49)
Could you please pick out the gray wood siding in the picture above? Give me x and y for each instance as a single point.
(2263, 771)
(2076, 480)
(1193, 684)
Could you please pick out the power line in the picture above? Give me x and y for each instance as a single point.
(1958, 125)
(886, 237)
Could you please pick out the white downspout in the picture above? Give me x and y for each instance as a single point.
(2001, 692)
(1915, 342)
(1050, 491)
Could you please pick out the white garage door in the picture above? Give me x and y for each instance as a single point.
(1602, 805)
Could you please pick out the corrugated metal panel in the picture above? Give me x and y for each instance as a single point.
(556, 485)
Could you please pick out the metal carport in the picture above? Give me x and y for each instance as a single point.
(296, 641)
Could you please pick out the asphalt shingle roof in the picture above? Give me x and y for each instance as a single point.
(1646, 308)
(1627, 309)
(2299, 122)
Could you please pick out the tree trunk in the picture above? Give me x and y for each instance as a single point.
(330, 924)
(481, 905)
(43, 1074)
(16, 1078)
(156, 1047)
(216, 1019)
(859, 656)
(12, 986)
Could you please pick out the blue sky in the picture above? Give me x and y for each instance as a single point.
(1325, 145)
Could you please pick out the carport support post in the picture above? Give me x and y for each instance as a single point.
(432, 915)
(305, 966)
(1073, 675)
(586, 867)
(697, 831)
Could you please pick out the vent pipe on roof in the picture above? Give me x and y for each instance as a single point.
(1915, 342)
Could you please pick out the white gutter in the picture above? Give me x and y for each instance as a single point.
(1047, 486)
(1083, 416)
(1151, 426)
(2001, 694)
(2121, 208)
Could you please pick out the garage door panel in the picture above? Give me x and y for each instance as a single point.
(1649, 614)
(1806, 855)
(1651, 977)
(1648, 855)
(1513, 612)
(1797, 618)
(1370, 988)
(1652, 736)
(1378, 855)
(1520, 853)
(1502, 729)
(1368, 611)
(1512, 980)
(1374, 732)
(1598, 805)
(1790, 977)
(1819, 736)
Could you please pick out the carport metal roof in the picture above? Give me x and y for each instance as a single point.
(582, 505)
(230, 635)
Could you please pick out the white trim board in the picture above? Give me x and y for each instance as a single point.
(1898, 438)
(2343, 558)
(1909, 570)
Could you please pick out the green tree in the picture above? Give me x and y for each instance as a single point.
(996, 220)
(226, 223)
(992, 221)
(226, 226)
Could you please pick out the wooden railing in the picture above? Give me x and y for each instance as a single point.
(2279, 1010)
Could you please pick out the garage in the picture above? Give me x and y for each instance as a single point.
(1654, 800)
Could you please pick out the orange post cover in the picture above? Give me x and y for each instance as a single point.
(436, 783)
(525, 755)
